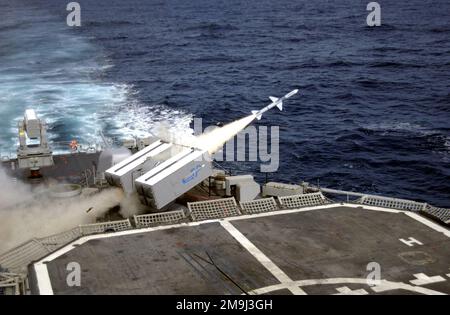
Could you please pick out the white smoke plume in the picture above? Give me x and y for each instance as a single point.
(27, 213)
(215, 139)
(130, 205)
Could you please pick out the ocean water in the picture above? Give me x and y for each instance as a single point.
(372, 114)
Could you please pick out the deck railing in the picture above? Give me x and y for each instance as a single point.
(152, 219)
(17, 259)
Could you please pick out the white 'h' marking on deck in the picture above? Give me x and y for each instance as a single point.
(262, 258)
(410, 241)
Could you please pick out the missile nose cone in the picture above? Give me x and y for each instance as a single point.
(291, 93)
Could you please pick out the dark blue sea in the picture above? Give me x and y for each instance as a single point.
(372, 114)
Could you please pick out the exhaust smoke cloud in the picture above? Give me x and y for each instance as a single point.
(213, 140)
(27, 214)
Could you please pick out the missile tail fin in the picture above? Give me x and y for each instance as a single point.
(255, 113)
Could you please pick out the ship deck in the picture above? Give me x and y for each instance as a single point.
(331, 249)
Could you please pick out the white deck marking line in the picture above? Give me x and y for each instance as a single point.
(262, 258)
(371, 208)
(423, 279)
(428, 223)
(43, 279)
(347, 291)
(383, 286)
(403, 286)
(285, 211)
(85, 239)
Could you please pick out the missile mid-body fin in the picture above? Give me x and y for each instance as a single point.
(278, 102)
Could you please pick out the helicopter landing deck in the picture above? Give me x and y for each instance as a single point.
(328, 249)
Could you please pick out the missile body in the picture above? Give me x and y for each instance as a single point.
(278, 102)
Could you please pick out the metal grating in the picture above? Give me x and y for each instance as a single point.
(145, 220)
(114, 226)
(56, 241)
(17, 259)
(392, 203)
(212, 209)
(441, 214)
(303, 200)
(259, 205)
(12, 284)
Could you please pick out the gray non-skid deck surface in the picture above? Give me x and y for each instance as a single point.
(340, 242)
(174, 261)
(318, 244)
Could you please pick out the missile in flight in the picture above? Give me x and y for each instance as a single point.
(278, 102)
